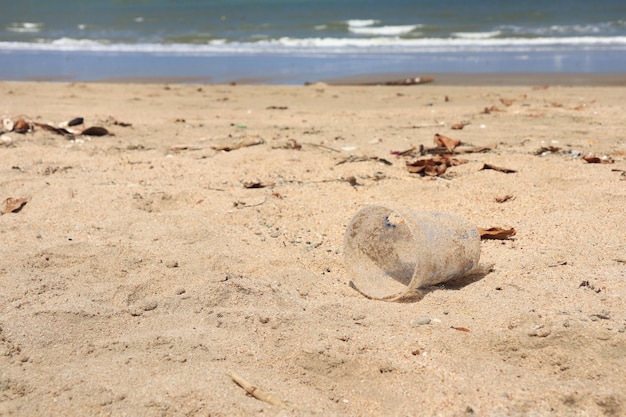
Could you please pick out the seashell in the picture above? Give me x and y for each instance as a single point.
(21, 126)
(7, 124)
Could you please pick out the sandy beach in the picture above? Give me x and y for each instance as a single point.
(202, 239)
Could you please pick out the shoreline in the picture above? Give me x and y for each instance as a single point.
(379, 79)
(567, 67)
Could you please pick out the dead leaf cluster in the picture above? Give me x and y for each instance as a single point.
(434, 166)
(444, 150)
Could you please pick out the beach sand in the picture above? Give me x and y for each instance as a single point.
(148, 265)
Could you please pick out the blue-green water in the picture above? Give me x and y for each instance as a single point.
(95, 39)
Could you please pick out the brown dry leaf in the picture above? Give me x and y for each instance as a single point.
(545, 150)
(257, 184)
(13, 205)
(496, 233)
(449, 143)
(504, 199)
(598, 160)
(461, 329)
(459, 126)
(459, 150)
(290, 144)
(433, 167)
(53, 129)
(488, 110)
(499, 169)
(96, 131)
(507, 101)
(233, 143)
(407, 152)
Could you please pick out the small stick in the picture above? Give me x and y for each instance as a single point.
(256, 392)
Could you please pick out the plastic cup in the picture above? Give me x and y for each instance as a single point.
(391, 253)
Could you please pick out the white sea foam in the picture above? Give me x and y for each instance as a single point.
(359, 23)
(476, 35)
(578, 29)
(25, 27)
(383, 30)
(334, 45)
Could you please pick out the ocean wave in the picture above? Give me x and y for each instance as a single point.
(368, 27)
(359, 23)
(25, 27)
(476, 35)
(331, 45)
(383, 30)
(603, 28)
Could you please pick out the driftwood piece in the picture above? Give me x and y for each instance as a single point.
(257, 393)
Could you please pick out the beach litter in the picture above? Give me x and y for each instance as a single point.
(391, 253)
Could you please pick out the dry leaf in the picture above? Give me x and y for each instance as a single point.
(504, 199)
(499, 169)
(434, 166)
(496, 233)
(231, 143)
(53, 129)
(545, 150)
(76, 121)
(406, 152)
(459, 126)
(488, 110)
(257, 184)
(96, 131)
(448, 143)
(13, 205)
(597, 160)
(461, 329)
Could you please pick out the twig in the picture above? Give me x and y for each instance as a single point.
(323, 147)
(256, 392)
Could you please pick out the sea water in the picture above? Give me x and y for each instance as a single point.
(292, 41)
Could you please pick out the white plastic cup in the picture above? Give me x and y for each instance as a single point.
(391, 253)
